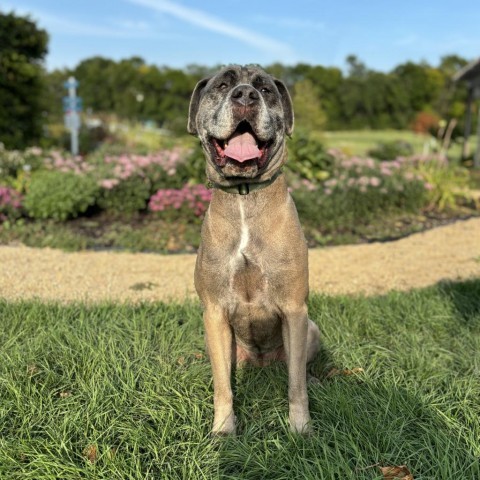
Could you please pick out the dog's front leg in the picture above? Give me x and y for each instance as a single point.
(219, 345)
(294, 332)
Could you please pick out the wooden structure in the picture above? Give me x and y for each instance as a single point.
(471, 75)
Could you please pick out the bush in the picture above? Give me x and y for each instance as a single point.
(60, 195)
(391, 150)
(10, 204)
(126, 196)
(426, 122)
(192, 169)
(364, 186)
(129, 180)
(181, 202)
(447, 182)
(15, 163)
(361, 189)
(308, 157)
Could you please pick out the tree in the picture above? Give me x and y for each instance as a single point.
(23, 48)
(327, 81)
(95, 77)
(309, 114)
(356, 68)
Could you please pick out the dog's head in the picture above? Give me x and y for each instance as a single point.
(241, 116)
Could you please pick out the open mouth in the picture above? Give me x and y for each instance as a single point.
(242, 147)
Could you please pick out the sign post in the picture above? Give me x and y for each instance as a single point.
(71, 106)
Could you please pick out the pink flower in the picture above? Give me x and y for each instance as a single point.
(10, 199)
(109, 183)
(196, 197)
(363, 181)
(333, 182)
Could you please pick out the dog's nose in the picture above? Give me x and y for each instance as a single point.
(245, 95)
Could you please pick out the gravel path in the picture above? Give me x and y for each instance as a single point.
(449, 252)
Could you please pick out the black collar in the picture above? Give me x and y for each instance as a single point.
(246, 188)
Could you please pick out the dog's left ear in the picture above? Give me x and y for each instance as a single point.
(287, 106)
(194, 103)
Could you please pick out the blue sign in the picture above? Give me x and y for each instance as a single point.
(72, 104)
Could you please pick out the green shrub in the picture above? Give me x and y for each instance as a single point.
(308, 157)
(129, 179)
(361, 190)
(10, 204)
(127, 196)
(60, 195)
(447, 182)
(14, 164)
(192, 170)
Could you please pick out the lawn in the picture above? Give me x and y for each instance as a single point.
(125, 392)
(359, 142)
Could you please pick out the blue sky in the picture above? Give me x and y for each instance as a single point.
(180, 32)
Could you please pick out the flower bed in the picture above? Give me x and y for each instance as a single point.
(335, 194)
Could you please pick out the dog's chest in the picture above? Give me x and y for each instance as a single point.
(248, 271)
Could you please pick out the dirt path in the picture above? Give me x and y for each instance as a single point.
(449, 252)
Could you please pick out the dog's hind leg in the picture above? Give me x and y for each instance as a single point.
(313, 341)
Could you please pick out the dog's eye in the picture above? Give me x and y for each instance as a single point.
(265, 90)
(222, 86)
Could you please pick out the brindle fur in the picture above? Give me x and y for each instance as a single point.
(252, 267)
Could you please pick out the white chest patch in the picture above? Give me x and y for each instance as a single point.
(244, 235)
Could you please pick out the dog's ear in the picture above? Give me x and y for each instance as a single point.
(193, 109)
(287, 106)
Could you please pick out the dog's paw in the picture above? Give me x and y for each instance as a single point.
(224, 426)
(305, 429)
(300, 424)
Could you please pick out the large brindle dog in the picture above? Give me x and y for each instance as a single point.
(252, 266)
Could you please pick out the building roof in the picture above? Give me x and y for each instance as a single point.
(469, 73)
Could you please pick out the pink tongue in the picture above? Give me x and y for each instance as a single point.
(242, 147)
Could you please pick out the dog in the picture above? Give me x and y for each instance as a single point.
(251, 271)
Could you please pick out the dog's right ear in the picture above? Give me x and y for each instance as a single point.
(194, 103)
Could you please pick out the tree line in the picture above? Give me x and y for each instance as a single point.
(356, 97)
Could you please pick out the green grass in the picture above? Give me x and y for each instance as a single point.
(124, 392)
(358, 142)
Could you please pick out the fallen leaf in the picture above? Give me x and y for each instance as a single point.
(91, 453)
(65, 394)
(353, 371)
(32, 369)
(335, 371)
(181, 360)
(395, 473)
(198, 355)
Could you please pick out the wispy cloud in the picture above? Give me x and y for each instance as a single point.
(290, 22)
(131, 25)
(219, 25)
